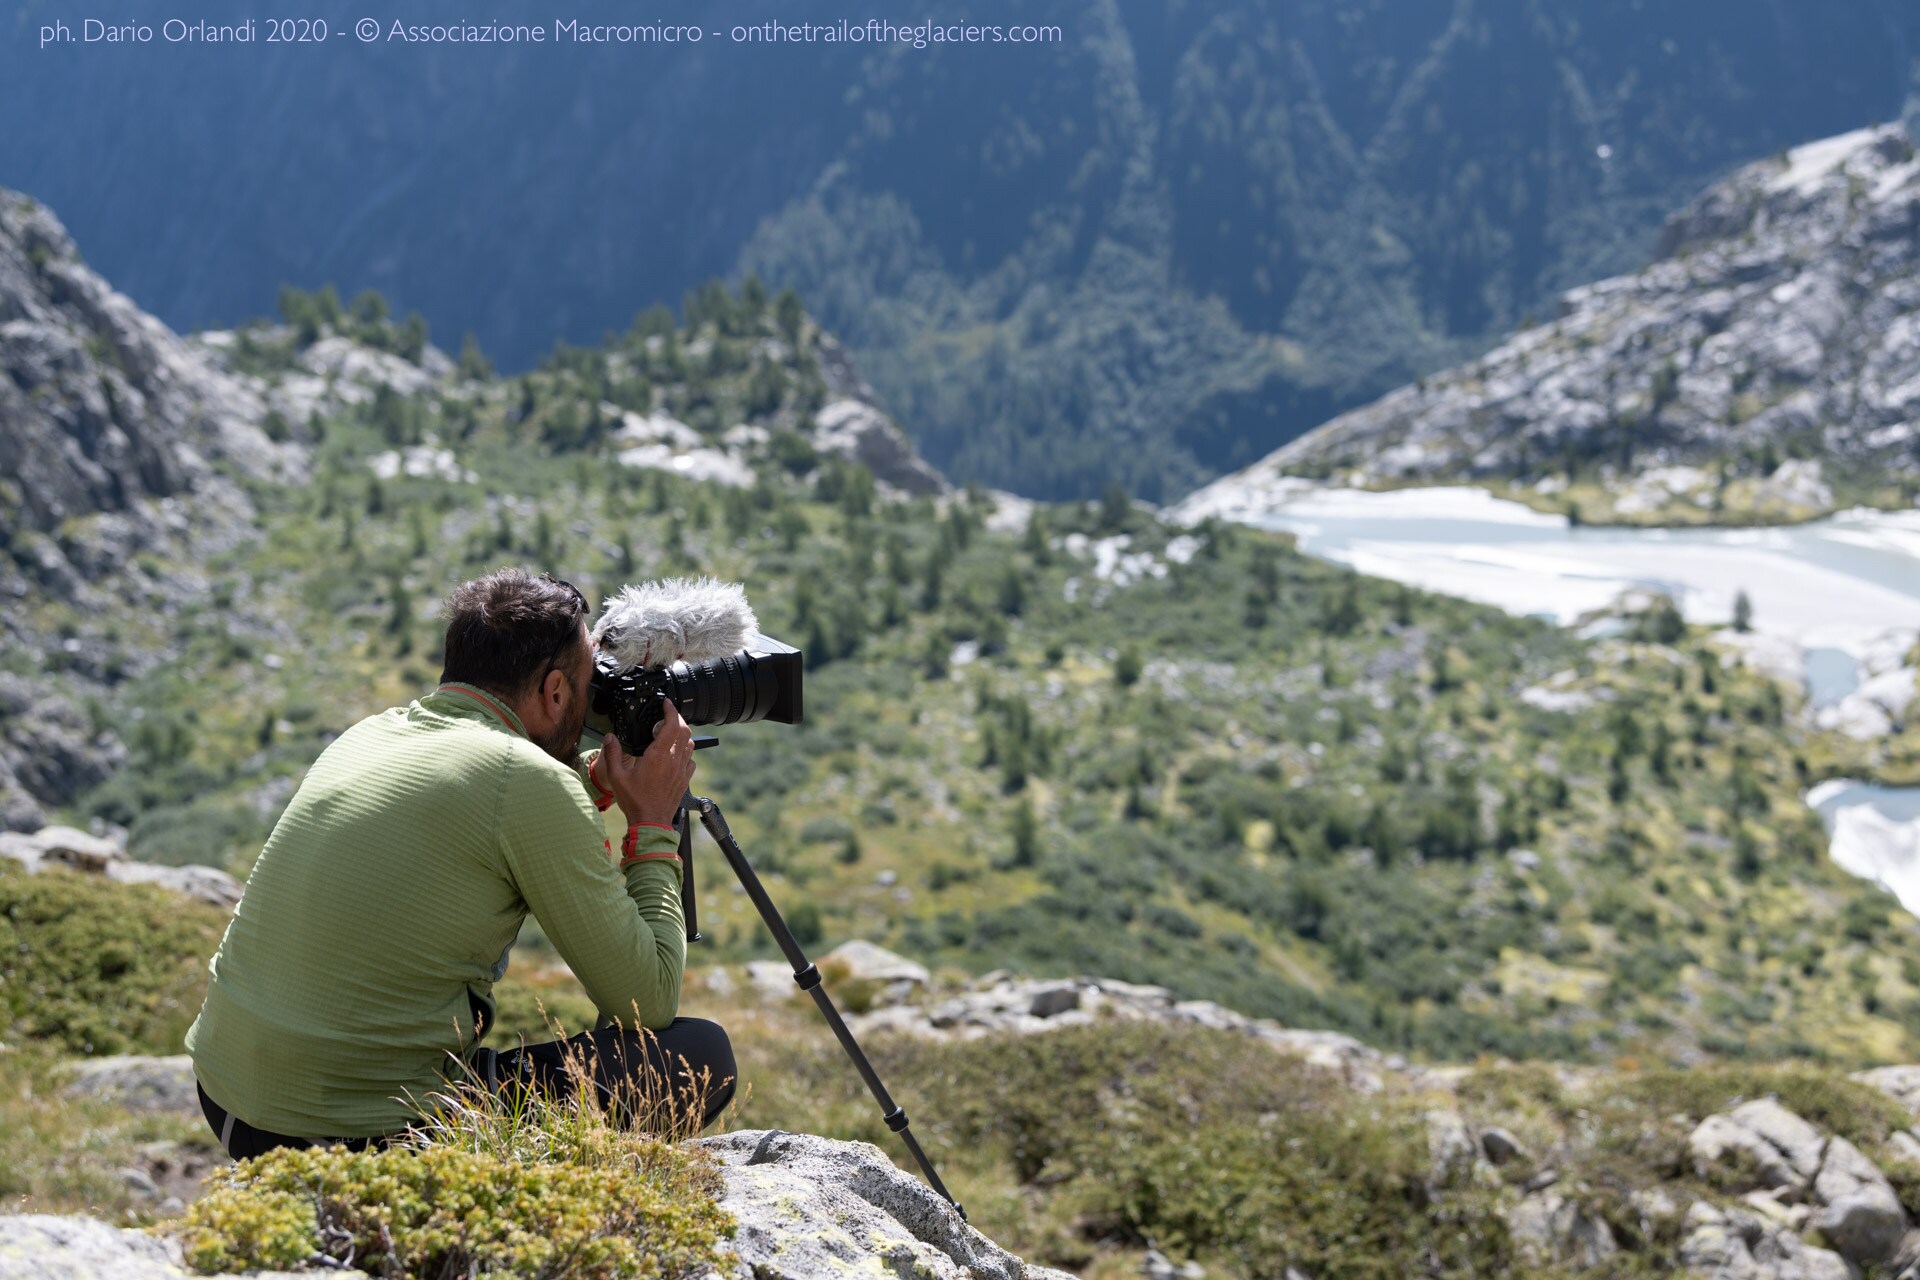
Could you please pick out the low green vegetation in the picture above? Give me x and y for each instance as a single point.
(96, 967)
(500, 1186)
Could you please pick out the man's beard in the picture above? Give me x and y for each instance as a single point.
(563, 744)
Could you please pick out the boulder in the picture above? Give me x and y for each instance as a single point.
(1499, 1146)
(893, 977)
(771, 979)
(38, 1246)
(1550, 1228)
(1050, 1001)
(1735, 1244)
(1902, 1084)
(1783, 1149)
(96, 855)
(1853, 1206)
(137, 1082)
(812, 1209)
(1858, 1211)
(1450, 1147)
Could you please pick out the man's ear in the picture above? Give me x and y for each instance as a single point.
(551, 685)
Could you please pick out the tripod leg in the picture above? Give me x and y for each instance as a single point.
(689, 909)
(808, 977)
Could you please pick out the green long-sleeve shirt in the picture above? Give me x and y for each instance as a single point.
(393, 885)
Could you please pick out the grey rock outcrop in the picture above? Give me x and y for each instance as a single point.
(1550, 1228)
(999, 1002)
(892, 978)
(1852, 1204)
(1735, 1244)
(137, 1082)
(44, 1247)
(120, 438)
(812, 1209)
(104, 405)
(1902, 1084)
(1783, 312)
(853, 425)
(96, 855)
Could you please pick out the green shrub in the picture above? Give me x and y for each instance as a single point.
(101, 967)
(1208, 1143)
(441, 1211)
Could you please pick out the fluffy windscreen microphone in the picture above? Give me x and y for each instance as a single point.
(655, 624)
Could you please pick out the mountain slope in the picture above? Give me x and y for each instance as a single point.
(1147, 252)
(1072, 738)
(1766, 367)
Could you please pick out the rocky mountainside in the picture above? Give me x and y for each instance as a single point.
(104, 406)
(1149, 248)
(118, 440)
(132, 458)
(1766, 366)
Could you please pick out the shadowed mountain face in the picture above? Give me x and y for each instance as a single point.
(1765, 367)
(1149, 251)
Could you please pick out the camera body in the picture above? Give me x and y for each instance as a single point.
(759, 682)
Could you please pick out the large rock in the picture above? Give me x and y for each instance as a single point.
(1854, 1207)
(137, 1082)
(1857, 1211)
(1902, 1084)
(1550, 1228)
(853, 425)
(812, 1209)
(43, 1247)
(998, 1003)
(1734, 1244)
(1783, 1149)
(95, 855)
(893, 978)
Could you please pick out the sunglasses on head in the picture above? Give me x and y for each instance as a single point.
(579, 601)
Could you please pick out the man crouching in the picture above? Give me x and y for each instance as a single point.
(381, 911)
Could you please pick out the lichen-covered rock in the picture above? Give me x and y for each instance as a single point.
(813, 1209)
(1783, 1149)
(1734, 1244)
(998, 1002)
(1858, 1211)
(1902, 1084)
(1551, 1228)
(137, 1082)
(39, 1246)
(1853, 1206)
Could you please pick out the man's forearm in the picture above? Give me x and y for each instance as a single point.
(651, 863)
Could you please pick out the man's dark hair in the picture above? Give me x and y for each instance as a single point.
(507, 629)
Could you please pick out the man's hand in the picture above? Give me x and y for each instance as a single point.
(648, 787)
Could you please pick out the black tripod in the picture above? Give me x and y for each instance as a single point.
(804, 971)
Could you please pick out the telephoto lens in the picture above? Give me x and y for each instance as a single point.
(760, 682)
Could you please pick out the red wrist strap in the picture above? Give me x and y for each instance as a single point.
(604, 800)
(628, 845)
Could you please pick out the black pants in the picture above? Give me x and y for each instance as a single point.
(688, 1062)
